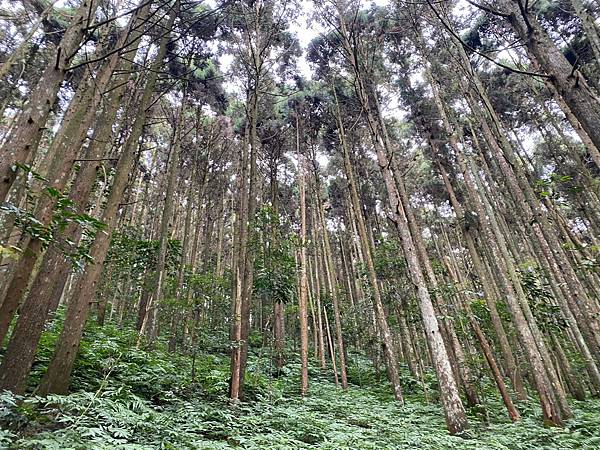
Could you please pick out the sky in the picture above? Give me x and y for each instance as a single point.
(304, 28)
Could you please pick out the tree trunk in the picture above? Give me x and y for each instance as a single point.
(589, 27)
(391, 360)
(456, 420)
(64, 150)
(56, 379)
(48, 285)
(149, 325)
(568, 81)
(329, 266)
(331, 348)
(302, 301)
(23, 139)
(317, 290)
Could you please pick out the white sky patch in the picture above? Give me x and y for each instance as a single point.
(462, 7)
(322, 159)
(305, 30)
(392, 108)
(225, 61)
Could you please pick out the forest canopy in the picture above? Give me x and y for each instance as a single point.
(299, 224)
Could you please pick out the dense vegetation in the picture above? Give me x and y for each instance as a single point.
(284, 224)
(130, 398)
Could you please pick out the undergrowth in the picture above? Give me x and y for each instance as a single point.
(128, 398)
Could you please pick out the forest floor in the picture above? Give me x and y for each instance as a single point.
(127, 398)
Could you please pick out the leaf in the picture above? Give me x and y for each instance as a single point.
(53, 192)
(27, 169)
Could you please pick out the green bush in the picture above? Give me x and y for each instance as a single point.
(128, 398)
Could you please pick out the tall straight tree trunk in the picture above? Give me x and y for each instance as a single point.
(221, 237)
(512, 368)
(65, 148)
(513, 413)
(331, 275)
(546, 240)
(56, 379)
(459, 358)
(302, 301)
(313, 314)
(48, 285)
(24, 137)
(515, 374)
(383, 328)
(456, 419)
(455, 414)
(185, 244)
(237, 269)
(149, 325)
(243, 270)
(242, 291)
(550, 408)
(568, 81)
(523, 199)
(190, 312)
(278, 304)
(243, 267)
(331, 347)
(351, 289)
(457, 279)
(316, 283)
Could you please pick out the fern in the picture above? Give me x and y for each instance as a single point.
(136, 399)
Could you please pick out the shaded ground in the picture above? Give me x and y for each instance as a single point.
(146, 400)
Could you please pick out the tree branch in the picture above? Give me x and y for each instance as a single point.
(483, 55)
(489, 9)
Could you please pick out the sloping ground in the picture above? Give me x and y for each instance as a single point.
(329, 419)
(144, 400)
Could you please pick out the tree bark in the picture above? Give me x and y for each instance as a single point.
(56, 379)
(23, 139)
(149, 323)
(302, 301)
(568, 81)
(64, 150)
(49, 282)
(391, 360)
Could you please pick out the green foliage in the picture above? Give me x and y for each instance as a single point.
(65, 214)
(9, 252)
(274, 263)
(28, 170)
(388, 260)
(134, 259)
(589, 256)
(129, 398)
(130, 253)
(207, 287)
(548, 315)
(551, 186)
